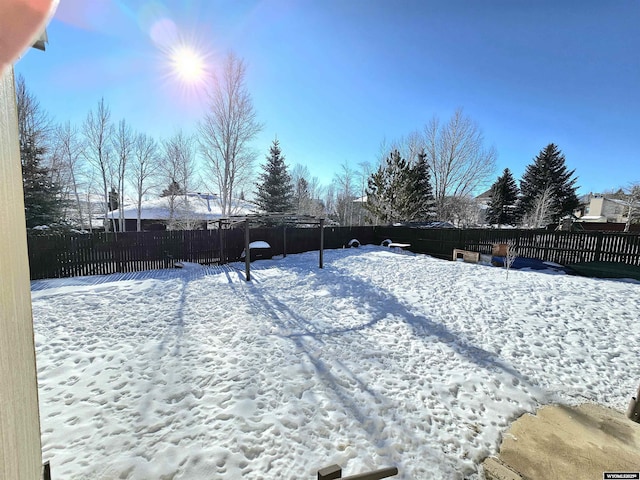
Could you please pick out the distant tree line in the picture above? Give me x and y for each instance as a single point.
(78, 175)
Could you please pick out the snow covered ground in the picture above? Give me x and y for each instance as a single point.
(380, 359)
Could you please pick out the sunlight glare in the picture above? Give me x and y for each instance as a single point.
(188, 64)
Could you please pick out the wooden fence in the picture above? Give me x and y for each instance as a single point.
(57, 256)
(60, 256)
(560, 247)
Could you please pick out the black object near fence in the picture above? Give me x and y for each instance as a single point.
(58, 256)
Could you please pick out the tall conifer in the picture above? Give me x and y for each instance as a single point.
(398, 192)
(548, 173)
(504, 196)
(42, 202)
(275, 191)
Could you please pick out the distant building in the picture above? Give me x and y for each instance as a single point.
(192, 211)
(603, 212)
(598, 208)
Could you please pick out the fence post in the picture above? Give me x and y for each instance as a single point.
(221, 243)
(598, 252)
(284, 240)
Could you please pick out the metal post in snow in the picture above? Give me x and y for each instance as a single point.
(247, 252)
(321, 261)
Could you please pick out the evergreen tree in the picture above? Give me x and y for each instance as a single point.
(42, 202)
(275, 191)
(173, 190)
(398, 192)
(421, 204)
(503, 205)
(301, 197)
(385, 188)
(114, 200)
(548, 175)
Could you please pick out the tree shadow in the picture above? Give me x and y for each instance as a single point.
(309, 334)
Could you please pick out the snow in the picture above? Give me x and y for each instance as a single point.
(259, 244)
(195, 206)
(377, 360)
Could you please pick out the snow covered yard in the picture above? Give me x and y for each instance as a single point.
(380, 359)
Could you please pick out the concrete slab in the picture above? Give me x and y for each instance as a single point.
(567, 442)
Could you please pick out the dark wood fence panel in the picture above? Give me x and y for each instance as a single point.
(436, 242)
(339, 237)
(301, 240)
(56, 256)
(560, 247)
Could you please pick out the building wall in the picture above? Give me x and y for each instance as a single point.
(20, 449)
(613, 211)
(608, 210)
(595, 206)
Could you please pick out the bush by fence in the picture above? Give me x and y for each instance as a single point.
(57, 256)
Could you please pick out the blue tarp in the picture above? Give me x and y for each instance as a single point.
(523, 262)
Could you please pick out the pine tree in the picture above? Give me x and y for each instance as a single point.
(275, 191)
(173, 190)
(385, 189)
(42, 202)
(398, 192)
(421, 204)
(301, 197)
(548, 175)
(114, 200)
(503, 205)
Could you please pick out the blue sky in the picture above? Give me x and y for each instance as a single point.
(335, 78)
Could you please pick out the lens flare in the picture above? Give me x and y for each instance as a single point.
(188, 65)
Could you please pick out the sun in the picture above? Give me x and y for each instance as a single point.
(188, 65)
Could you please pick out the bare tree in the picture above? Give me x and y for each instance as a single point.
(462, 211)
(227, 129)
(301, 194)
(630, 195)
(97, 131)
(345, 188)
(457, 157)
(144, 166)
(330, 203)
(179, 167)
(633, 206)
(123, 141)
(34, 123)
(510, 256)
(69, 150)
(307, 191)
(362, 182)
(542, 211)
